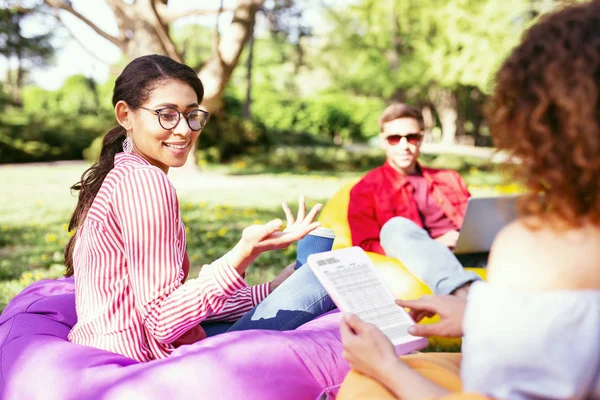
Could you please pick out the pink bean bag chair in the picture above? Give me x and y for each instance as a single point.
(37, 361)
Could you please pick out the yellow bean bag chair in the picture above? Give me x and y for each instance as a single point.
(402, 283)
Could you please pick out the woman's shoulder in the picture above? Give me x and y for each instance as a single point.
(136, 182)
(133, 172)
(544, 258)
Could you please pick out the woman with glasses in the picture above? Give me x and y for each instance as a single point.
(533, 330)
(128, 252)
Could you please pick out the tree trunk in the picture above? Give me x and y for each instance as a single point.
(444, 101)
(218, 69)
(248, 102)
(17, 83)
(17, 97)
(144, 29)
(216, 72)
(428, 121)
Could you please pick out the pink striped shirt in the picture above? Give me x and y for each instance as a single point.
(128, 261)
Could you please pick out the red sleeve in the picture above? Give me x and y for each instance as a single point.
(463, 185)
(362, 219)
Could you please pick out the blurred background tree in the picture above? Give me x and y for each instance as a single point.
(27, 51)
(276, 72)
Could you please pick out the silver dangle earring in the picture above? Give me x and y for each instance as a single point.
(128, 145)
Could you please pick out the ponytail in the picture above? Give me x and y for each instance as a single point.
(90, 184)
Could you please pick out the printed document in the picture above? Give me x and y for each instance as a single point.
(353, 283)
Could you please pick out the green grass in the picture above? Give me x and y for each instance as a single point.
(36, 204)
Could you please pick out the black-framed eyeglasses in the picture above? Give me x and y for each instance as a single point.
(168, 117)
(412, 138)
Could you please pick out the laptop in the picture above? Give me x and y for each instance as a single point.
(484, 218)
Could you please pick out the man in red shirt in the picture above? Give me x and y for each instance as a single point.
(410, 212)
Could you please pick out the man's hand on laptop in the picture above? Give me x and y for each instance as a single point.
(448, 239)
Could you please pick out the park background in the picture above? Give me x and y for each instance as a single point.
(294, 87)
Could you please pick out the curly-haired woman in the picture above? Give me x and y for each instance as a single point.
(532, 331)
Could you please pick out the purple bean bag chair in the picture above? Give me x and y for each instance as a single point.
(39, 363)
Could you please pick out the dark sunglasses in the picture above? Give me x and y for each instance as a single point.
(412, 138)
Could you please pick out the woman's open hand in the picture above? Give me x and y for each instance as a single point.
(257, 239)
(272, 238)
(302, 220)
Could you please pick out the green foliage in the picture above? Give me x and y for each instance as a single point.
(92, 153)
(326, 116)
(232, 135)
(291, 99)
(410, 45)
(307, 159)
(476, 36)
(32, 49)
(54, 125)
(5, 99)
(194, 43)
(321, 89)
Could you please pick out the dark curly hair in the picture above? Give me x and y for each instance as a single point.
(545, 112)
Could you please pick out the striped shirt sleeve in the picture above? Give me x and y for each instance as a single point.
(146, 206)
(241, 302)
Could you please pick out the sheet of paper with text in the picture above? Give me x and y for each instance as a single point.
(353, 283)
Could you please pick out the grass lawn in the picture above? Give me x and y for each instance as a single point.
(35, 207)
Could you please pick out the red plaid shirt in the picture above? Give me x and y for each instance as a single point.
(384, 193)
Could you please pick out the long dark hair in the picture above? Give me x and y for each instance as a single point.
(134, 86)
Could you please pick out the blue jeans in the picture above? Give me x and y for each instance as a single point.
(430, 261)
(299, 299)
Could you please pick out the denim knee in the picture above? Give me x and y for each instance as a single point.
(397, 230)
(401, 226)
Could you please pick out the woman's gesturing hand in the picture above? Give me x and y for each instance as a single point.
(257, 239)
(271, 238)
(302, 220)
(451, 310)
